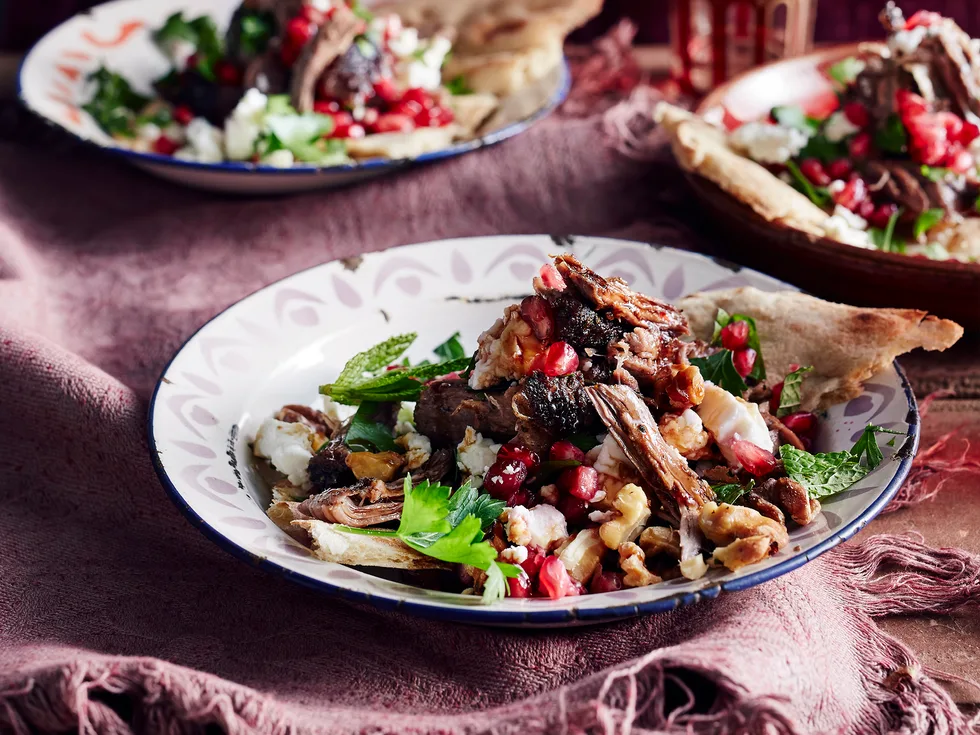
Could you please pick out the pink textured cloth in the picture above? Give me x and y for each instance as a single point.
(117, 616)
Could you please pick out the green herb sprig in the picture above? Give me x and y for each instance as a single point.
(789, 399)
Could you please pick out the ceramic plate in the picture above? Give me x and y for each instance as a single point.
(51, 83)
(824, 267)
(279, 344)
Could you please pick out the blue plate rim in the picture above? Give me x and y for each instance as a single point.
(486, 615)
(156, 159)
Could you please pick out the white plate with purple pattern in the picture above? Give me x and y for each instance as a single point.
(279, 344)
(52, 83)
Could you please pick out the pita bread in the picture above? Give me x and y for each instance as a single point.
(402, 145)
(846, 345)
(704, 150)
(359, 550)
(965, 239)
(472, 110)
(505, 72)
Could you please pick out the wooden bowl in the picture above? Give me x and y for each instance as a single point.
(821, 266)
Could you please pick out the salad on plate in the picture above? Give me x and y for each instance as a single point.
(896, 167)
(328, 82)
(596, 439)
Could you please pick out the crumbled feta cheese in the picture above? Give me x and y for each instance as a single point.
(903, 43)
(769, 143)
(694, 568)
(149, 132)
(601, 516)
(542, 525)
(337, 412)
(417, 448)
(240, 138)
(203, 142)
(514, 554)
(549, 494)
(322, 5)
(405, 43)
(435, 54)
(714, 116)
(837, 127)
(289, 447)
(419, 74)
(475, 455)
(611, 461)
(251, 106)
(837, 186)
(279, 159)
(729, 418)
(847, 227)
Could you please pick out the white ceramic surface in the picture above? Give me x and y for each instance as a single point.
(52, 83)
(277, 345)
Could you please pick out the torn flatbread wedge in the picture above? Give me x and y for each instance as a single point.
(704, 150)
(402, 145)
(358, 550)
(846, 345)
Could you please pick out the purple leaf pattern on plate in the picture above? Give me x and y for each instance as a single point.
(198, 450)
(460, 268)
(395, 265)
(204, 384)
(537, 256)
(346, 294)
(674, 284)
(632, 256)
(288, 296)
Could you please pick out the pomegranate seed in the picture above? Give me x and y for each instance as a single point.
(504, 478)
(386, 91)
(431, 117)
(393, 123)
(551, 278)
(522, 497)
(299, 31)
(756, 460)
(910, 104)
(857, 113)
(409, 108)
(228, 73)
(535, 558)
(192, 61)
(183, 114)
(418, 95)
(777, 393)
(801, 423)
(165, 146)
(606, 582)
(744, 361)
(445, 116)
(574, 509)
(814, 171)
(326, 107)
(289, 53)
(860, 145)
(520, 453)
(537, 313)
(853, 193)
(923, 18)
(565, 451)
(959, 161)
(881, 214)
(581, 482)
(839, 169)
(794, 366)
(354, 130)
(393, 26)
(560, 359)
(866, 208)
(519, 586)
(553, 579)
(969, 133)
(952, 123)
(312, 15)
(735, 335)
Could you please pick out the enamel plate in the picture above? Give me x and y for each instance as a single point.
(52, 83)
(279, 344)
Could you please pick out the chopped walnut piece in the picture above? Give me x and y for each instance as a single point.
(768, 509)
(685, 433)
(725, 523)
(583, 554)
(505, 351)
(634, 510)
(792, 497)
(633, 562)
(693, 568)
(660, 540)
(743, 551)
(375, 465)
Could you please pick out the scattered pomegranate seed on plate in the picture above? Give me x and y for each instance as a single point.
(735, 335)
(744, 360)
(553, 579)
(560, 359)
(756, 460)
(581, 482)
(564, 451)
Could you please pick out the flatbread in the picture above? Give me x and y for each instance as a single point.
(846, 345)
(704, 150)
(359, 550)
(505, 73)
(472, 110)
(403, 145)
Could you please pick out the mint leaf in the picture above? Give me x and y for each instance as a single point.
(732, 491)
(458, 86)
(373, 359)
(298, 130)
(892, 137)
(867, 445)
(201, 33)
(885, 239)
(927, 220)
(820, 147)
(822, 474)
(791, 116)
(366, 434)
(255, 30)
(819, 195)
(845, 71)
(114, 104)
(278, 104)
(451, 349)
(789, 399)
(933, 173)
(719, 369)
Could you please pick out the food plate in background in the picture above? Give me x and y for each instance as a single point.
(276, 346)
(824, 267)
(52, 83)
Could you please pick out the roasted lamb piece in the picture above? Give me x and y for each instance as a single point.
(447, 407)
(331, 42)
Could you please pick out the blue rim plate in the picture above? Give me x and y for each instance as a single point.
(276, 346)
(51, 84)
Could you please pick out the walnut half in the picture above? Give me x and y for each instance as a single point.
(633, 561)
(633, 506)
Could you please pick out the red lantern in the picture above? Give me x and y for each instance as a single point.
(713, 40)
